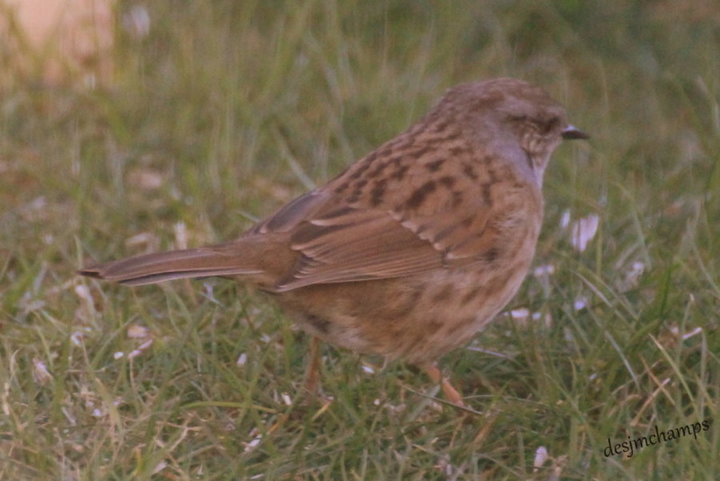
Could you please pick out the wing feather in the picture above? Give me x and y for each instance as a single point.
(401, 213)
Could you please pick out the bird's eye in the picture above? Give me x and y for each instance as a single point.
(549, 125)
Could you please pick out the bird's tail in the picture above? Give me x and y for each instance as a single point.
(232, 259)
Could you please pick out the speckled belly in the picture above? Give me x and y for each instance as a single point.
(417, 318)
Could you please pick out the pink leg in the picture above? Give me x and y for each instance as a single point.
(452, 394)
(312, 374)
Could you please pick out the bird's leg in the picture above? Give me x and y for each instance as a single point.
(452, 394)
(312, 373)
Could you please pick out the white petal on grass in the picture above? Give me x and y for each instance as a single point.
(159, 467)
(136, 331)
(583, 231)
(137, 21)
(40, 372)
(544, 270)
(580, 303)
(210, 291)
(241, 360)
(565, 219)
(141, 348)
(633, 275)
(692, 333)
(541, 455)
(83, 293)
(638, 267)
(445, 466)
(286, 399)
(520, 313)
(118, 355)
(253, 444)
(367, 369)
(76, 338)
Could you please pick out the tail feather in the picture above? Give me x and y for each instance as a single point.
(165, 266)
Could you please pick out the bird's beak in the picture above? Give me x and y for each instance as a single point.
(571, 133)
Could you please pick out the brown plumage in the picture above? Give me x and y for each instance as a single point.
(413, 248)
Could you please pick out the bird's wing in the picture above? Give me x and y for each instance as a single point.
(340, 242)
(348, 244)
(407, 208)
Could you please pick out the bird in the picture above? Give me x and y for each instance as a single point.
(412, 249)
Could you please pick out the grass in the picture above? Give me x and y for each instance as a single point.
(228, 109)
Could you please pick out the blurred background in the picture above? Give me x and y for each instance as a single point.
(128, 127)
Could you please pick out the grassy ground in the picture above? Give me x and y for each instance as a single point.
(226, 110)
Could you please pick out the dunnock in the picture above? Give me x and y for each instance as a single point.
(413, 248)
